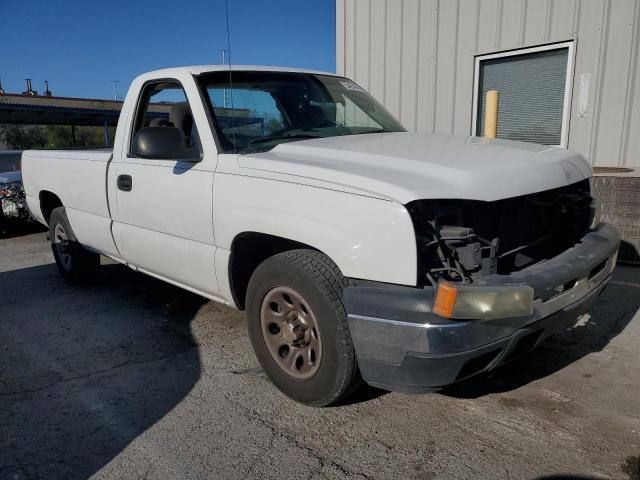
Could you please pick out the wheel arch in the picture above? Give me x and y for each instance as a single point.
(48, 202)
(248, 250)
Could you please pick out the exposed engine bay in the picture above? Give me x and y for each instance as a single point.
(465, 240)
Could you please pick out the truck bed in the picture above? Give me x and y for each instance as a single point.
(78, 179)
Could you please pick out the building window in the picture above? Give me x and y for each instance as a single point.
(535, 93)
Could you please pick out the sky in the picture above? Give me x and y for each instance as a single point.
(80, 46)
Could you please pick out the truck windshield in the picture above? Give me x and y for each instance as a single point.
(255, 111)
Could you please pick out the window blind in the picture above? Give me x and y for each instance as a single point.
(532, 91)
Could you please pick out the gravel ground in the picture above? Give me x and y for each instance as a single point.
(133, 378)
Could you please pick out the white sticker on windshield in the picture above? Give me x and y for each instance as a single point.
(352, 86)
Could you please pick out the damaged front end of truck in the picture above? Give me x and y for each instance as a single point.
(466, 240)
(494, 279)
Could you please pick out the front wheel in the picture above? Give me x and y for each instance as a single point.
(298, 327)
(74, 262)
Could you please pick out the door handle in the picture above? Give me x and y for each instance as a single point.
(125, 183)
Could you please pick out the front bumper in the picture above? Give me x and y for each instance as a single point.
(402, 345)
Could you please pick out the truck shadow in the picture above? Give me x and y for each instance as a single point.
(11, 229)
(609, 315)
(85, 370)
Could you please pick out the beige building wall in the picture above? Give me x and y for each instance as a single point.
(418, 56)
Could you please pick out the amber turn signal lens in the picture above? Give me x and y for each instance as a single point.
(483, 302)
(445, 300)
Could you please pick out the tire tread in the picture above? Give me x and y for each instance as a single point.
(84, 263)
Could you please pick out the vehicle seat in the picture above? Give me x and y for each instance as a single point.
(160, 122)
(180, 116)
(314, 117)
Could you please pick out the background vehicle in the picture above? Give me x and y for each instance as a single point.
(13, 203)
(357, 249)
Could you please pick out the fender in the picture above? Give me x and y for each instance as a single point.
(368, 238)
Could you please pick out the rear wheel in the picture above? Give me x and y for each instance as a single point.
(75, 263)
(298, 327)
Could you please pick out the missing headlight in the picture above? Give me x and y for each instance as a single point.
(464, 240)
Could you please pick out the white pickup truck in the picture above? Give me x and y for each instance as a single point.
(358, 250)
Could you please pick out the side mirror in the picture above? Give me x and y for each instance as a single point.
(163, 143)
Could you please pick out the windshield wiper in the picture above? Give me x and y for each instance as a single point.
(374, 130)
(290, 135)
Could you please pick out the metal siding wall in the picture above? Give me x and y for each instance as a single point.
(614, 81)
(426, 95)
(349, 38)
(463, 80)
(417, 57)
(409, 79)
(588, 23)
(393, 57)
(488, 19)
(446, 66)
(378, 49)
(631, 140)
(537, 22)
(512, 19)
(362, 66)
(563, 14)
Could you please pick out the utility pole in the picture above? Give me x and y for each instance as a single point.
(115, 88)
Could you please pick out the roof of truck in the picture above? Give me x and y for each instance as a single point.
(199, 69)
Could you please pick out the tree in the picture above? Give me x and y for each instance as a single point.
(57, 136)
(21, 137)
(24, 137)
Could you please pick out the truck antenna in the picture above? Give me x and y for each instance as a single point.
(233, 124)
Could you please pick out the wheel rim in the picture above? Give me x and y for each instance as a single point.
(61, 245)
(290, 332)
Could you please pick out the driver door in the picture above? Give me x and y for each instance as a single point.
(162, 214)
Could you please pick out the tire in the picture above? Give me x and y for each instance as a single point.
(76, 264)
(311, 324)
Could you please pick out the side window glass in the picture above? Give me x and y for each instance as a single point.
(164, 126)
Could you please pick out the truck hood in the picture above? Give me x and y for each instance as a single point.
(410, 166)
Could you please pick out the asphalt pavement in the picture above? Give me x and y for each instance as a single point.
(132, 378)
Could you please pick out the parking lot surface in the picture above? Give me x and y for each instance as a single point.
(132, 378)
